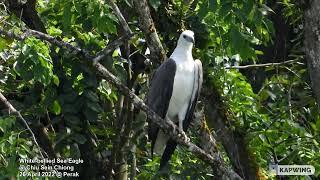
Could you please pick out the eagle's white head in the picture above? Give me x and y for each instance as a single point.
(183, 51)
(186, 38)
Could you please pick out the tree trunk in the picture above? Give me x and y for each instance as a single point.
(233, 141)
(312, 45)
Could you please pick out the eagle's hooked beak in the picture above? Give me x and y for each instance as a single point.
(189, 39)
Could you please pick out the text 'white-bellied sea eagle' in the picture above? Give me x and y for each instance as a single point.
(173, 94)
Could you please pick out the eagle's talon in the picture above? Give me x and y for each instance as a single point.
(187, 139)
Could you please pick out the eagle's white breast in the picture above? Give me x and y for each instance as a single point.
(182, 90)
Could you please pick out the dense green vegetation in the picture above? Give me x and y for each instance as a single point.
(76, 112)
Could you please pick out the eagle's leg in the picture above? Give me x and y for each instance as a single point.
(181, 129)
(180, 125)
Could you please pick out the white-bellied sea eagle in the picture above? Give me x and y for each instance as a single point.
(173, 94)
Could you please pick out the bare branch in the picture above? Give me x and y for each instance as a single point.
(262, 65)
(13, 110)
(168, 126)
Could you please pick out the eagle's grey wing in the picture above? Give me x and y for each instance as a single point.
(195, 94)
(171, 145)
(159, 95)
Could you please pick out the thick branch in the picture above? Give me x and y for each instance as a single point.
(13, 110)
(168, 126)
(262, 65)
(149, 30)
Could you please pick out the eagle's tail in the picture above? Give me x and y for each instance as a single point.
(166, 156)
(160, 143)
(164, 146)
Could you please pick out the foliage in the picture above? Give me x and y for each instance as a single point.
(14, 145)
(281, 121)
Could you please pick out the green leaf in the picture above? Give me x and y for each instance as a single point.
(34, 62)
(74, 151)
(53, 31)
(67, 15)
(72, 120)
(213, 4)
(237, 40)
(70, 108)
(3, 43)
(56, 108)
(56, 80)
(90, 114)
(203, 10)
(79, 138)
(22, 153)
(155, 4)
(91, 95)
(225, 9)
(94, 106)
(6, 123)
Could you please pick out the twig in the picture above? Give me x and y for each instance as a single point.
(13, 110)
(168, 126)
(289, 101)
(111, 47)
(262, 65)
(193, 5)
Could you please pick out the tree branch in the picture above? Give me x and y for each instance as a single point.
(262, 65)
(12, 109)
(168, 126)
(119, 15)
(149, 30)
(111, 47)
